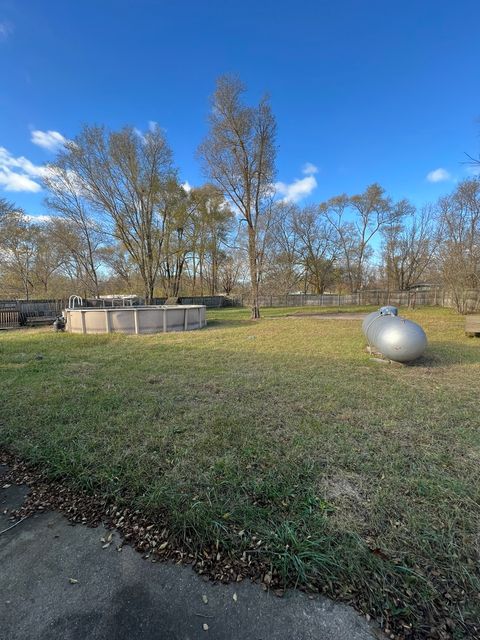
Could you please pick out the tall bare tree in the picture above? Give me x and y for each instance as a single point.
(239, 156)
(76, 227)
(282, 271)
(409, 247)
(459, 254)
(231, 270)
(123, 176)
(178, 237)
(356, 221)
(317, 250)
(17, 250)
(213, 222)
(49, 255)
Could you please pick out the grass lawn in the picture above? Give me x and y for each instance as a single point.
(280, 438)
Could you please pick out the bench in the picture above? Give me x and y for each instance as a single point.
(34, 321)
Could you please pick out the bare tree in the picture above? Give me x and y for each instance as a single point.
(213, 222)
(49, 255)
(459, 254)
(231, 270)
(356, 221)
(17, 249)
(409, 247)
(123, 177)
(77, 230)
(282, 270)
(316, 249)
(239, 156)
(80, 254)
(120, 266)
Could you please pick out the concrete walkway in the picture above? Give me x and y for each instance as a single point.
(57, 582)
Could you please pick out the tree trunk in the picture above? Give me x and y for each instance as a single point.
(149, 291)
(252, 257)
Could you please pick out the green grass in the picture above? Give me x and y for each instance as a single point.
(360, 479)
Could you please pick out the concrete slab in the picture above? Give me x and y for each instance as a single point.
(58, 582)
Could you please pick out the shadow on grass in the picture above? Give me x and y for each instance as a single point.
(442, 354)
(228, 323)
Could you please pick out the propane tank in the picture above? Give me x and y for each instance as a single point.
(388, 310)
(394, 337)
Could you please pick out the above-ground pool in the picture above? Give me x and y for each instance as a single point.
(147, 319)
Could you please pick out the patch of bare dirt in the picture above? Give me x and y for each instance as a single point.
(329, 316)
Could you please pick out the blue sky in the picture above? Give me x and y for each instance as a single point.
(364, 91)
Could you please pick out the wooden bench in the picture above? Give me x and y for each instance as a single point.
(34, 321)
(472, 325)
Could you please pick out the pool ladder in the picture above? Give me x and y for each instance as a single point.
(75, 299)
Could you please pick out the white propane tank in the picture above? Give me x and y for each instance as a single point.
(394, 337)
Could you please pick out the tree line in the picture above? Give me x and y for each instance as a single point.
(120, 221)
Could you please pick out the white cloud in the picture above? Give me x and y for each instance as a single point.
(12, 181)
(187, 186)
(309, 169)
(38, 218)
(438, 175)
(19, 174)
(50, 140)
(297, 190)
(6, 29)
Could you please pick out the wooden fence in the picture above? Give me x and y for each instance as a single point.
(429, 297)
(211, 302)
(10, 318)
(15, 313)
(361, 298)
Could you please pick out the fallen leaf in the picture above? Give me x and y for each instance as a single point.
(163, 545)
